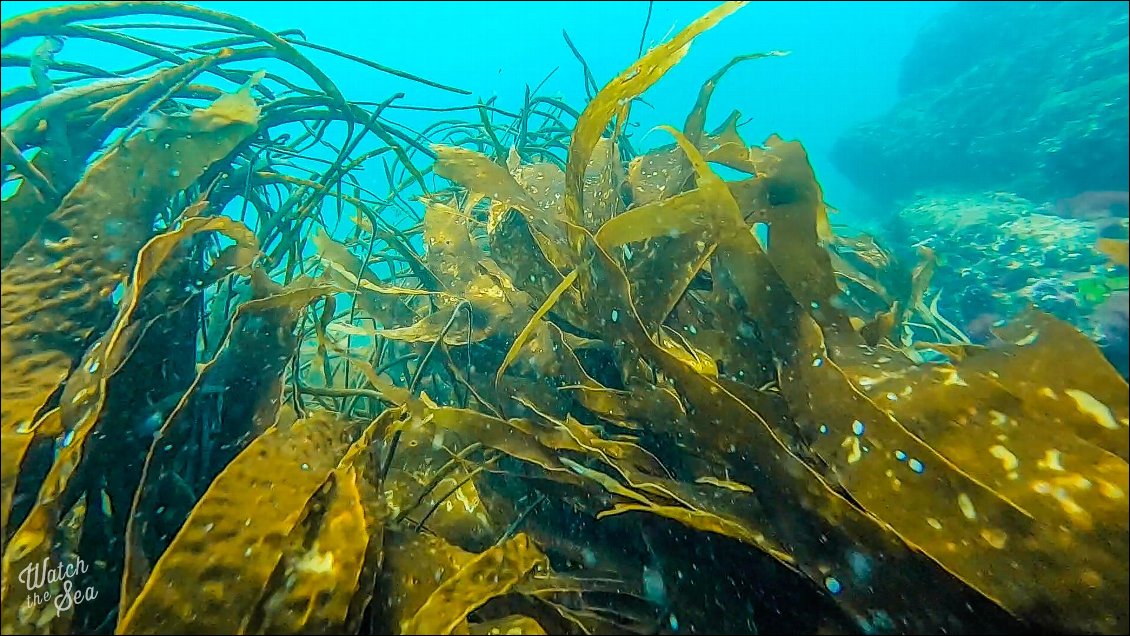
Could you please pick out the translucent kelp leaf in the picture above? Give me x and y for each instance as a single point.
(230, 108)
(545, 183)
(933, 455)
(430, 327)
(687, 212)
(480, 175)
(983, 526)
(866, 249)
(616, 94)
(723, 483)
(606, 482)
(431, 482)
(451, 502)
(374, 297)
(388, 390)
(725, 146)
(450, 253)
(673, 342)
(798, 226)
(490, 574)
(229, 545)
(841, 446)
(603, 177)
(657, 175)
(477, 172)
(696, 120)
(1080, 391)
(365, 284)
(845, 269)
(625, 455)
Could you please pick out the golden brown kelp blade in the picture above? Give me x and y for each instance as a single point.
(85, 249)
(81, 408)
(614, 97)
(328, 564)
(408, 576)
(487, 575)
(870, 453)
(780, 289)
(727, 429)
(233, 365)
(237, 525)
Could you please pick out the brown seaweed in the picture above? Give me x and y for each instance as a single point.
(592, 400)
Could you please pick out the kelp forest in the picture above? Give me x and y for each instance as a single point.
(275, 364)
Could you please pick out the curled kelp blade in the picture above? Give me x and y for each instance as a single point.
(232, 366)
(292, 465)
(866, 447)
(614, 96)
(328, 564)
(485, 576)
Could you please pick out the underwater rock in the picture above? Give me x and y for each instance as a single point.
(1026, 97)
(1000, 253)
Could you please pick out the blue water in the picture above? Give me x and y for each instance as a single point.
(841, 69)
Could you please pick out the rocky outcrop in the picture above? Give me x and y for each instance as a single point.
(999, 254)
(1024, 97)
